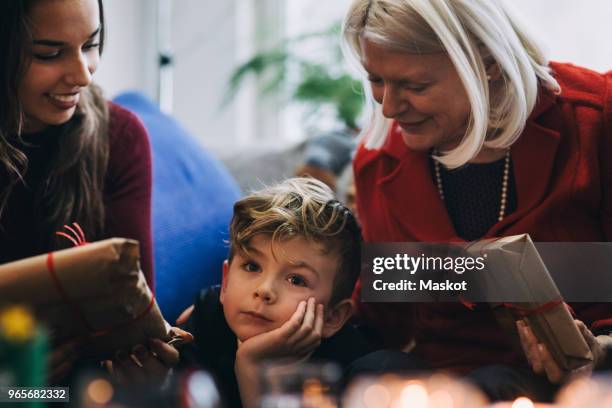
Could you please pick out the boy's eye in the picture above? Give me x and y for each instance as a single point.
(250, 267)
(297, 281)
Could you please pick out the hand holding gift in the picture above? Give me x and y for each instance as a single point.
(61, 361)
(150, 363)
(542, 362)
(520, 287)
(94, 293)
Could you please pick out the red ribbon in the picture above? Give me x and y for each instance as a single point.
(522, 311)
(77, 237)
(79, 240)
(526, 312)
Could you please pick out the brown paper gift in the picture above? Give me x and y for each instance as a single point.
(520, 286)
(95, 292)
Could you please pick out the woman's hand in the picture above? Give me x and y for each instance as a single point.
(147, 364)
(542, 362)
(61, 361)
(184, 316)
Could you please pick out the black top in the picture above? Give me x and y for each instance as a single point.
(215, 345)
(472, 195)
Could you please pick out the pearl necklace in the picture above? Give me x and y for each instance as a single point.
(504, 193)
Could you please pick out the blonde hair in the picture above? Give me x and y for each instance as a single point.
(475, 34)
(301, 207)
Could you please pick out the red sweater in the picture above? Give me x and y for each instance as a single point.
(127, 192)
(562, 165)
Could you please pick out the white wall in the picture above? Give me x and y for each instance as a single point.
(129, 60)
(210, 37)
(204, 39)
(204, 47)
(573, 31)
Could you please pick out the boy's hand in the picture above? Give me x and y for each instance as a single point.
(147, 364)
(297, 337)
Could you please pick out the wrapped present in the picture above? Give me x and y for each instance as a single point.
(95, 293)
(518, 286)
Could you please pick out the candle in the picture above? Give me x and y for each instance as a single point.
(584, 392)
(428, 391)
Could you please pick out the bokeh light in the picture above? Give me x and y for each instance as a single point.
(100, 391)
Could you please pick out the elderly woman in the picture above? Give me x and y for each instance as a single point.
(475, 134)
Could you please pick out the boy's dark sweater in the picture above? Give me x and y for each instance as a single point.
(215, 345)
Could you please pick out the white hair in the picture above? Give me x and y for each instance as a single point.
(476, 35)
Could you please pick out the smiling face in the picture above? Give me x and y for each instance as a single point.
(261, 290)
(422, 92)
(65, 55)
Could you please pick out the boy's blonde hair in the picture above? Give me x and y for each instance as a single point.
(302, 207)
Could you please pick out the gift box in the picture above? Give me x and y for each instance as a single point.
(95, 293)
(517, 284)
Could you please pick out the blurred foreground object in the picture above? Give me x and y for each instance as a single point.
(23, 350)
(433, 391)
(585, 392)
(300, 385)
(523, 402)
(191, 389)
(95, 293)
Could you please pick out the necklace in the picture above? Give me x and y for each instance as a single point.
(504, 192)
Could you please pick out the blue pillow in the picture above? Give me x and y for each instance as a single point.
(193, 197)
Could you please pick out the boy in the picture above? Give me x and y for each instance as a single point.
(286, 288)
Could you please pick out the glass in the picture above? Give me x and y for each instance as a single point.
(300, 385)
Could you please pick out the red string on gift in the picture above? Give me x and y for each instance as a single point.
(467, 303)
(78, 239)
(526, 312)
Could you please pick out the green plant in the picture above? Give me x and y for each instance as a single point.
(319, 83)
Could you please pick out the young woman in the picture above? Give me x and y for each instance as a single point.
(66, 154)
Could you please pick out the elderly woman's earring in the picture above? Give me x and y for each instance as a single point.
(488, 77)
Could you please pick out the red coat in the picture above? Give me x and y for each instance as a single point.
(562, 165)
